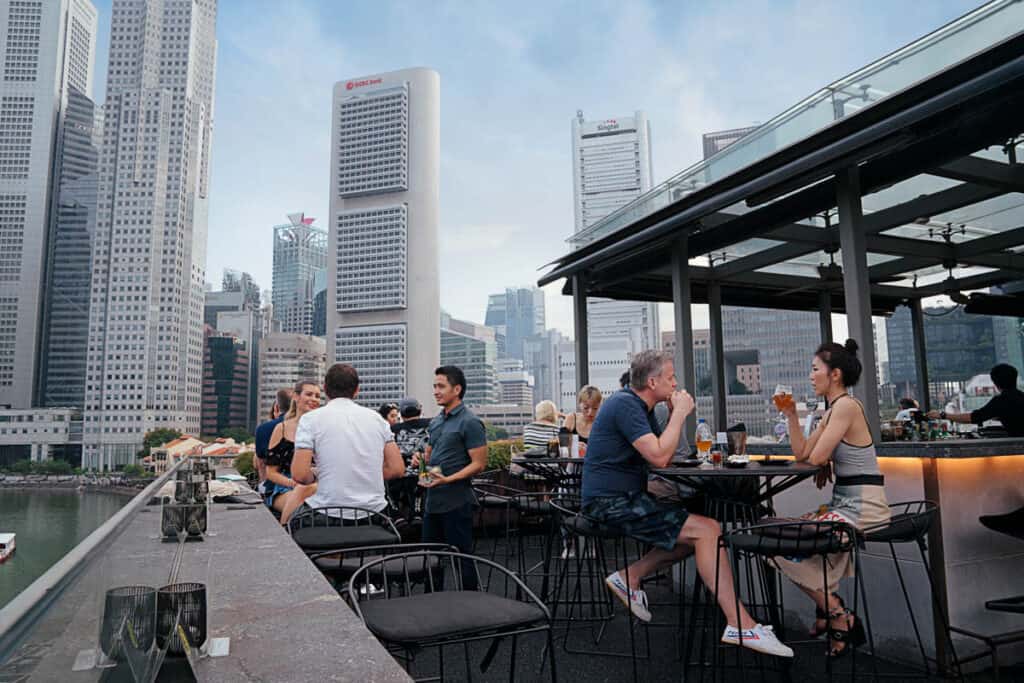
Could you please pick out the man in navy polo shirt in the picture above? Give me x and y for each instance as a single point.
(458, 445)
(624, 440)
(264, 431)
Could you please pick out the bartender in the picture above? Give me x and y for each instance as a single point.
(1007, 406)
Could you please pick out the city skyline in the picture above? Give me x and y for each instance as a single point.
(520, 209)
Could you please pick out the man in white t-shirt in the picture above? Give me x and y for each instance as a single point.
(352, 446)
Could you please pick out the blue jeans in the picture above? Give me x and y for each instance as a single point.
(454, 527)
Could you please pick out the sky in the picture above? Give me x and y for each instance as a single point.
(513, 76)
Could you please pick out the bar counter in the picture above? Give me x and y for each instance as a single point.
(968, 478)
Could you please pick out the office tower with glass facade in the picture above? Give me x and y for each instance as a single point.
(611, 167)
(471, 347)
(48, 50)
(383, 289)
(286, 359)
(145, 357)
(716, 141)
(540, 359)
(515, 314)
(300, 257)
(225, 383)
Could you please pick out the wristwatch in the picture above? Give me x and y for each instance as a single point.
(942, 414)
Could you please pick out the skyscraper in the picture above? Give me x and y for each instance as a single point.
(515, 314)
(48, 50)
(383, 290)
(718, 140)
(300, 257)
(471, 347)
(611, 167)
(225, 383)
(286, 359)
(145, 362)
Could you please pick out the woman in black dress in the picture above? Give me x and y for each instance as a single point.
(287, 495)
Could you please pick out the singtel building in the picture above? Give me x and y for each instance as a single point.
(383, 291)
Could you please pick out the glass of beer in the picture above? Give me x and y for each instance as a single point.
(716, 458)
(783, 397)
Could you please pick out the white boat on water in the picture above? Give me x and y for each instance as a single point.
(6, 546)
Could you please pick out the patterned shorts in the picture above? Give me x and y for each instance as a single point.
(639, 515)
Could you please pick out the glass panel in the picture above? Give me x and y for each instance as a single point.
(938, 50)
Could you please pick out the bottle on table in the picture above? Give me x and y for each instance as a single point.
(704, 440)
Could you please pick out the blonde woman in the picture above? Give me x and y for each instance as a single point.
(287, 495)
(587, 402)
(544, 427)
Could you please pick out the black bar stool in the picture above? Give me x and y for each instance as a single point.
(910, 522)
(804, 540)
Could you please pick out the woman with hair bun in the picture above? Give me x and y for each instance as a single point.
(842, 442)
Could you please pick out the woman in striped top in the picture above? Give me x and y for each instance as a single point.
(544, 427)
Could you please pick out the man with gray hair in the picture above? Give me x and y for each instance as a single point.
(624, 440)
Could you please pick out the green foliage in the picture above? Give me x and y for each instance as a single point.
(495, 433)
(43, 467)
(135, 471)
(499, 453)
(239, 434)
(157, 437)
(243, 463)
(738, 388)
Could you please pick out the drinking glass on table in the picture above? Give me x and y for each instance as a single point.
(783, 397)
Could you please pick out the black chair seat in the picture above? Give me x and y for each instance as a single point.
(395, 569)
(770, 546)
(488, 500)
(433, 616)
(533, 505)
(330, 537)
(584, 527)
(1015, 605)
(902, 528)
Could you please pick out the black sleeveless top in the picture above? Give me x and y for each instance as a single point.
(281, 455)
(583, 439)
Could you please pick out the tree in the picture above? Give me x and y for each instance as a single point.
(738, 388)
(495, 433)
(239, 434)
(157, 437)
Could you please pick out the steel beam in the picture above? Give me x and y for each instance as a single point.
(857, 290)
(682, 299)
(579, 317)
(971, 169)
(716, 340)
(825, 315)
(920, 353)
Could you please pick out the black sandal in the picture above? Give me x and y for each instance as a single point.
(822, 615)
(852, 637)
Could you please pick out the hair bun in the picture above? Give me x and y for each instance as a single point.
(851, 347)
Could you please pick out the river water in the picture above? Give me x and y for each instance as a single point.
(48, 525)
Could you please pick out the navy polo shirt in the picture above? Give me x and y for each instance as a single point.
(263, 434)
(452, 435)
(613, 467)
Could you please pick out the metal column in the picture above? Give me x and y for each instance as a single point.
(857, 292)
(719, 389)
(825, 315)
(920, 353)
(579, 319)
(681, 301)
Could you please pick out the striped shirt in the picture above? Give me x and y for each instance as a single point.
(538, 434)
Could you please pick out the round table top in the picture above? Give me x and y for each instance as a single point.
(523, 460)
(755, 468)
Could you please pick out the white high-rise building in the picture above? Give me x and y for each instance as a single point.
(145, 365)
(611, 161)
(383, 288)
(48, 49)
(286, 359)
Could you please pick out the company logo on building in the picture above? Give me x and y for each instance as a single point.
(360, 84)
(610, 124)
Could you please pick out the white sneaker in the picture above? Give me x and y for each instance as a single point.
(760, 639)
(568, 553)
(635, 601)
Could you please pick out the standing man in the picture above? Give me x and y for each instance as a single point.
(266, 430)
(458, 445)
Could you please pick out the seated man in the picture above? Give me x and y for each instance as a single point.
(352, 446)
(625, 438)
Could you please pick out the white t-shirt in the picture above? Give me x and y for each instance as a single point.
(348, 442)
